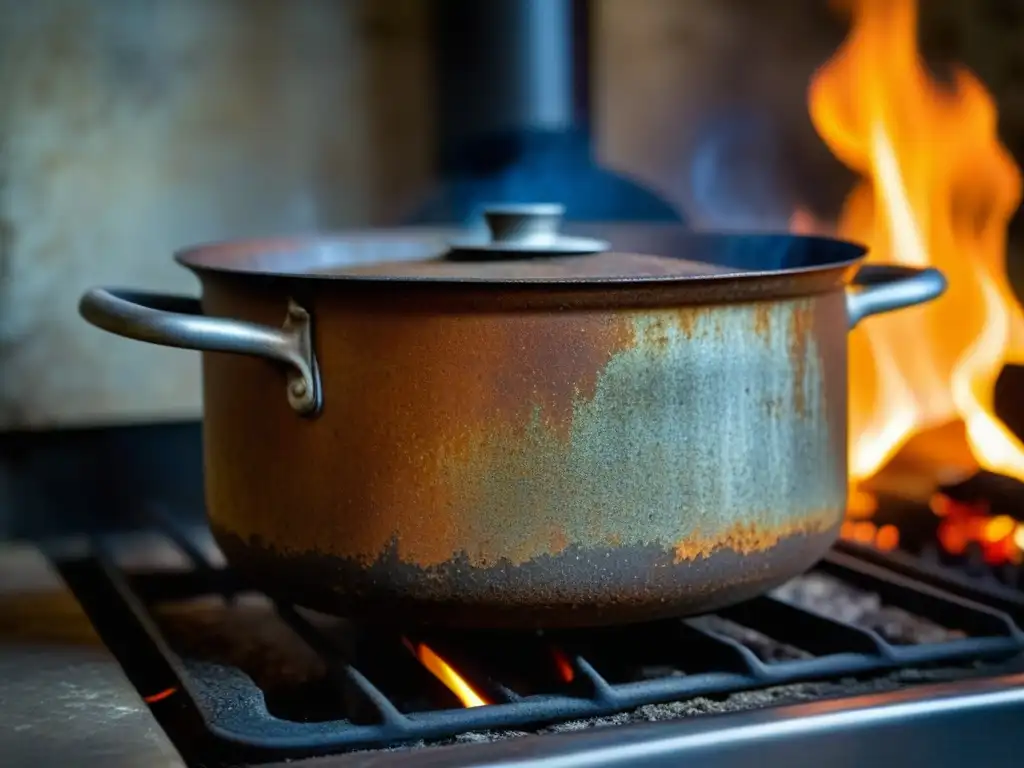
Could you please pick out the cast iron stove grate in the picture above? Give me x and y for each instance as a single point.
(222, 707)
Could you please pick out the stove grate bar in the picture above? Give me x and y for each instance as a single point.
(154, 587)
(601, 691)
(747, 663)
(806, 629)
(987, 590)
(386, 711)
(946, 609)
(707, 651)
(183, 538)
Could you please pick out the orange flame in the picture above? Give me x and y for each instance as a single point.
(164, 694)
(937, 189)
(563, 665)
(444, 672)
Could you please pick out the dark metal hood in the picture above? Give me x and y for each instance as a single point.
(514, 117)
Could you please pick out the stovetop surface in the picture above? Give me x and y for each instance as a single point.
(235, 678)
(64, 698)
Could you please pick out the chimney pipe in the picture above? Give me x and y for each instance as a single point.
(514, 82)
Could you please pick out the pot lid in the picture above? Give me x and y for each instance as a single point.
(525, 242)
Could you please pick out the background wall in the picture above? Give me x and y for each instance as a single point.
(129, 128)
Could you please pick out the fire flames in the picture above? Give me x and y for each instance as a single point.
(937, 189)
(444, 672)
(563, 666)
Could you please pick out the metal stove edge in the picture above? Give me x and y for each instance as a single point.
(944, 724)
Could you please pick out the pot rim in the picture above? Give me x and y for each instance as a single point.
(305, 259)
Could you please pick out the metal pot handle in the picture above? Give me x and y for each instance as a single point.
(885, 287)
(178, 321)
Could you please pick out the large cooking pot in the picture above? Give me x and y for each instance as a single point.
(524, 429)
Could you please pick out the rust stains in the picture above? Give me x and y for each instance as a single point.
(746, 538)
(423, 404)
(577, 587)
(762, 319)
(558, 540)
(656, 332)
(595, 265)
(686, 319)
(542, 363)
(502, 437)
(801, 328)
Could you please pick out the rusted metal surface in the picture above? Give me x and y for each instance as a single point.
(577, 587)
(700, 266)
(554, 448)
(492, 464)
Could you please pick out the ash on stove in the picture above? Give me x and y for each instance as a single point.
(829, 596)
(776, 696)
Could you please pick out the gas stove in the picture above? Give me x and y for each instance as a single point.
(870, 656)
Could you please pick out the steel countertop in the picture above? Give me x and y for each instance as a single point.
(64, 699)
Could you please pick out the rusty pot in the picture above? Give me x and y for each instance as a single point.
(532, 429)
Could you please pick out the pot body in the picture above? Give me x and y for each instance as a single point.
(482, 462)
(545, 443)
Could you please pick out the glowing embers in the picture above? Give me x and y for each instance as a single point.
(999, 538)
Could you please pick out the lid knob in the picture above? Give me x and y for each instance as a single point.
(522, 231)
(534, 224)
